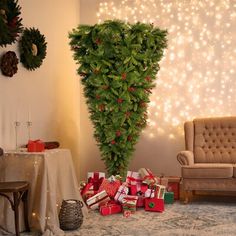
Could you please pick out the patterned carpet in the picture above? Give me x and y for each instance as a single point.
(196, 218)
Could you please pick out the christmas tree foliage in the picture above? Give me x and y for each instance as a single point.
(118, 63)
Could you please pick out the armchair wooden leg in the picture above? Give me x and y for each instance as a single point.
(187, 195)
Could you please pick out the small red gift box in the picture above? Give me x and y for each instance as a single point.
(138, 188)
(154, 204)
(110, 208)
(173, 186)
(110, 185)
(96, 179)
(35, 146)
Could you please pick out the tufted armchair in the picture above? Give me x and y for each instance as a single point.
(209, 161)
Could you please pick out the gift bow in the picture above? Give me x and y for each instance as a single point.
(150, 176)
(96, 181)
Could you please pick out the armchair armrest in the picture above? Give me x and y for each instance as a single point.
(185, 158)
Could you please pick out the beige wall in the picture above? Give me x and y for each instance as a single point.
(197, 76)
(50, 92)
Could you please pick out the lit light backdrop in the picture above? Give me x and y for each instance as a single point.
(197, 76)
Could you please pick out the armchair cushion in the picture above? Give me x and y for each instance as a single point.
(185, 158)
(208, 170)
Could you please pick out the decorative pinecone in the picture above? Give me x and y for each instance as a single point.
(9, 63)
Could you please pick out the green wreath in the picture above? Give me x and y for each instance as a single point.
(10, 22)
(32, 48)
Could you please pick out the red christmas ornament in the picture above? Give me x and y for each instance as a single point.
(118, 133)
(119, 100)
(131, 89)
(123, 76)
(98, 97)
(101, 107)
(142, 104)
(98, 41)
(129, 138)
(127, 114)
(148, 78)
(113, 142)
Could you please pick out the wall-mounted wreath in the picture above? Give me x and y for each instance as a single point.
(9, 64)
(33, 48)
(10, 21)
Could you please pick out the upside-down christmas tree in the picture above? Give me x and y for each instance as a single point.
(118, 63)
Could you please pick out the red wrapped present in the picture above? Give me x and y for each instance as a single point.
(134, 189)
(140, 201)
(173, 186)
(35, 146)
(122, 192)
(133, 178)
(110, 185)
(110, 208)
(129, 203)
(147, 175)
(85, 188)
(139, 190)
(98, 200)
(154, 204)
(96, 179)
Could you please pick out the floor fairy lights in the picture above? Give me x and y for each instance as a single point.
(197, 75)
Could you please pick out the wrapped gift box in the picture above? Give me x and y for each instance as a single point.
(163, 180)
(147, 176)
(157, 191)
(154, 204)
(129, 203)
(97, 200)
(139, 187)
(110, 208)
(122, 192)
(110, 185)
(139, 190)
(140, 201)
(169, 197)
(133, 178)
(35, 146)
(174, 185)
(96, 179)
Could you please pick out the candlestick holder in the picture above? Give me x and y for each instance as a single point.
(29, 125)
(17, 125)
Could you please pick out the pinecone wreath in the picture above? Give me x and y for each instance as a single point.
(10, 21)
(9, 63)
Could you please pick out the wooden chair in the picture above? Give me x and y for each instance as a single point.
(19, 189)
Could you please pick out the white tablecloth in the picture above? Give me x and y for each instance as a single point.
(52, 179)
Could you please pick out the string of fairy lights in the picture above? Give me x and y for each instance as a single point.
(197, 75)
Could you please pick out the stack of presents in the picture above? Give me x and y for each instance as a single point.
(140, 189)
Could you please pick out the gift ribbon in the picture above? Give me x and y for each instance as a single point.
(150, 176)
(97, 200)
(121, 192)
(132, 179)
(95, 180)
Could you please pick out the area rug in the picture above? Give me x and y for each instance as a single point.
(197, 218)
